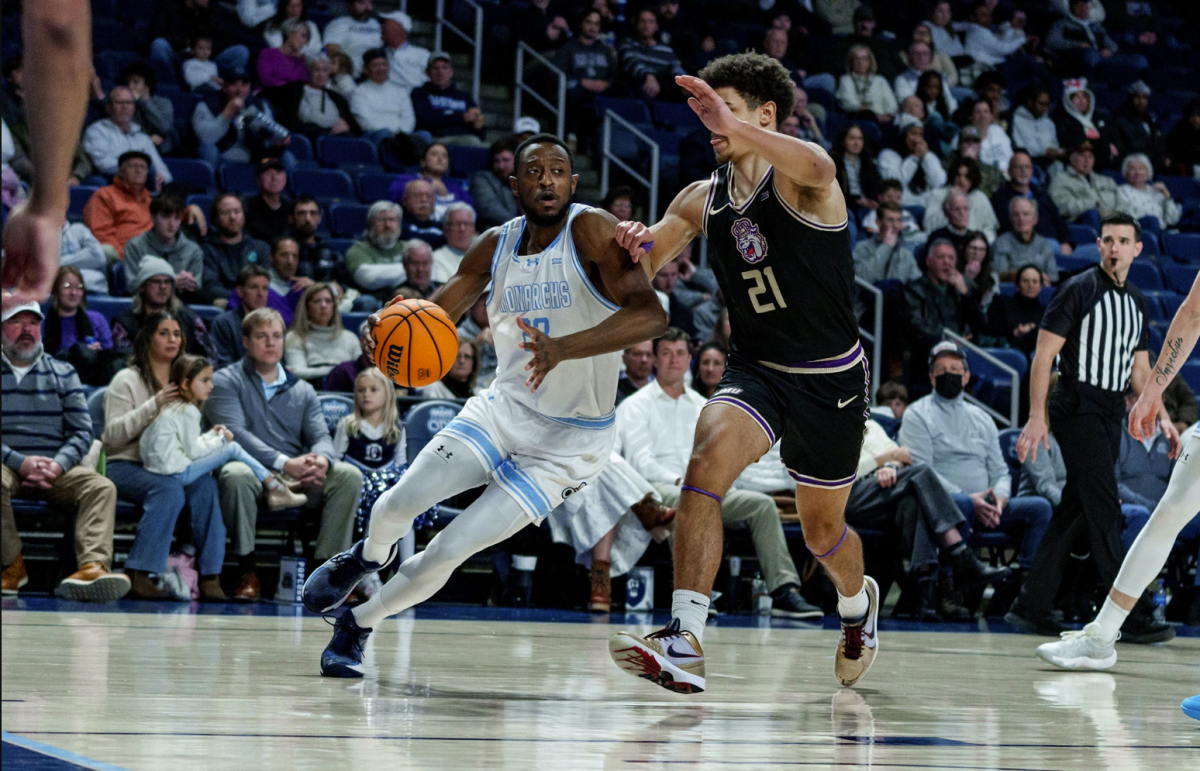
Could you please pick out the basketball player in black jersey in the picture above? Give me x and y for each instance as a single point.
(779, 244)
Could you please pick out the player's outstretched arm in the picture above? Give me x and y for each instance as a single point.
(666, 238)
(615, 275)
(1180, 339)
(58, 65)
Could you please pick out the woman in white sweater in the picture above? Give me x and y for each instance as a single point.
(862, 91)
(317, 342)
(459, 382)
(1140, 198)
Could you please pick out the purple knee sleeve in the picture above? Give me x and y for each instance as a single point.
(716, 498)
(835, 548)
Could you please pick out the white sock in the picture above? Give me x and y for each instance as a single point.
(854, 607)
(1109, 619)
(375, 551)
(691, 608)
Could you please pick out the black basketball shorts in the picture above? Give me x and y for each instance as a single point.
(820, 417)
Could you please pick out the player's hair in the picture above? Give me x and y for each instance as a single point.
(672, 335)
(544, 139)
(302, 327)
(1122, 218)
(167, 205)
(261, 318)
(891, 390)
(391, 415)
(253, 270)
(757, 78)
(187, 367)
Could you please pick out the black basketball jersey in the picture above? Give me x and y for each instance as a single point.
(788, 281)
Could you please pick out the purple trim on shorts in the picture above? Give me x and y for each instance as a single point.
(716, 498)
(835, 548)
(762, 423)
(814, 482)
(840, 361)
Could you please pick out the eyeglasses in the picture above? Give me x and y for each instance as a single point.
(64, 286)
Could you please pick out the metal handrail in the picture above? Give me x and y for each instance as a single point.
(876, 336)
(476, 41)
(560, 111)
(608, 157)
(1014, 416)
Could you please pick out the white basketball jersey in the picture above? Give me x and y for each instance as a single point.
(551, 291)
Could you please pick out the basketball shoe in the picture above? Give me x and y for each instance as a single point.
(669, 657)
(344, 654)
(330, 585)
(859, 641)
(1191, 707)
(1083, 649)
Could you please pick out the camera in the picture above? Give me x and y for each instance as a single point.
(262, 126)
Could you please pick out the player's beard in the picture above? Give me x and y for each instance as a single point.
(546, 220)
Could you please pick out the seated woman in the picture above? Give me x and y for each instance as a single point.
(285, 64)
(74, 334)
(459, 382)
(435, 166)
(316, 341)
(134, 399)
(975, 264)
(1141, 198)
(965, 175)
(862, 93)
(942, 64)
(711, 368)
(274, 35)
(857, 174)
(915, 165)
(996, 149)
(1016, 319)
(939, 129)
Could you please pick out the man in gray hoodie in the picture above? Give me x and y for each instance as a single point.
(164, 240)
(277, 418)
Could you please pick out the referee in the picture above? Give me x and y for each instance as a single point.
(1096, 325)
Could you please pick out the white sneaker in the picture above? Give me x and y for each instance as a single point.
(859, 642)
(1084, 649)
(669, 657)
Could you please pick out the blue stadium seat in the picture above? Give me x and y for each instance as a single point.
(240, 178)
(632, 110)
(95, 403)
(889, 424)
(1156, 337)
(340, 245)
(917, 212)
(425, 420)
(1154, 308)
(1082, 234)
(1183, 245)
(1170, 303)
(1008, 448)
(667, 141)
(203, 200)
(324, 184)
(1007, 289)
(109, 307)
(1115, 175)
(348, 219)
(1180, 277)
(353, 321)
(206, 312)
(1146, 276)
(1182, 188)
(337, 151)
(80, 195)
(465, 161)
(334, 407)
(676, 116)
(184, 103)
(302, 149)
(374, 187)
(193, 171)
(112, 35)
(1046, 295)
(118, 282)
(1190, 372)
(113, 61)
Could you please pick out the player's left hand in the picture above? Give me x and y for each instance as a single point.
(713, 112)
(545, 350)
(31, 246)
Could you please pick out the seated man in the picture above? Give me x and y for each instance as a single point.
(1050, 222)
(940, 300)
(276, 417)
(419, 201)
(165, 241)
(650, 67)
(118, 212)
(228, 248)
(891, 493)
(317, 261)
(236, 125)
(957, 208)
(106, 140)
(884, 256)
(374, 264)
(639, 369)
(47, 434)
(286, 287)
(448, 113)
(960, 441)
(380, 106)
(1023, 245)
(1080, 193)
(656, 427)
(153, 290)
(252, 289)
(495, 202)
(892, 191)
(418, 267)
(267, 211)
(459, 227)
(355, 33)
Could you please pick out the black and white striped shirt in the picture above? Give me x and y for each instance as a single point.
(1104, 324)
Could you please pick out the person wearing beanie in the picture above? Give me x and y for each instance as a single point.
(153, 290)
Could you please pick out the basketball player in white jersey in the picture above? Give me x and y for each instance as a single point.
(1092, 647)
(562, 292)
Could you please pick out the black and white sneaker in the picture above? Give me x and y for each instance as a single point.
(330, 585)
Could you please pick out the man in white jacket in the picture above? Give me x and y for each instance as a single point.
(380, 106)
(105, 141)
(987, 46)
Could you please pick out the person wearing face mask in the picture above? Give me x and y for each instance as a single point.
(960, 442)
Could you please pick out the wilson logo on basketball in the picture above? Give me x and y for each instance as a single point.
(395, 355)
(423, 373)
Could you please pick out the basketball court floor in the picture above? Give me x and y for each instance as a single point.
(148, 687)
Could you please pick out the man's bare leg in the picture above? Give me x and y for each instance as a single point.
(823, 518)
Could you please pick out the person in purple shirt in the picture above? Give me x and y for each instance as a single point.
(285, 64)
(68, 321)
(435, 166)
(286, 287)
(445, 111)
(342, 377)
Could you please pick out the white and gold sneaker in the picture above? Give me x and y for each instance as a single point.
(669, 657)
(860, 641)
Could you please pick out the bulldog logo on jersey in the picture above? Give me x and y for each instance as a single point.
(750, 243)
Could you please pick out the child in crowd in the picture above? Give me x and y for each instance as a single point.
(342, 79)
(200, 71)
(173, 444)
(373, 439)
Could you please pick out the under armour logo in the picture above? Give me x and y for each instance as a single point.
(442, 451)
(532, 262)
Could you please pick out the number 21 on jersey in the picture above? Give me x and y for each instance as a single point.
(759, 289)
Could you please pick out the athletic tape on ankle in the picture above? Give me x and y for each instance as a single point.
(716, 498)
(835, 548)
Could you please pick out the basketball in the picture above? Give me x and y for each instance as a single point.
(415, 343)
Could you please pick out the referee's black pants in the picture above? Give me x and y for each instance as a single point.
(1087, 423)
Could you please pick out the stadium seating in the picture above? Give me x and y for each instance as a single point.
(240, 178)
(1180, 277)
(1185, 246)
(1146, 276)
(374, 187)
(632, 110)
(1190, 372)
(337, 152)
(1082, 234)
(334, 407)
(348, 219)
(465, 161)
(324, 184)
(80, 195)
(194, 172)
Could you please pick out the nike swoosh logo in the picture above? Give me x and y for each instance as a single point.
(843, 403)
(675, 654)
(712, 211)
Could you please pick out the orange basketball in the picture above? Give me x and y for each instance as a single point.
(415, 343)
